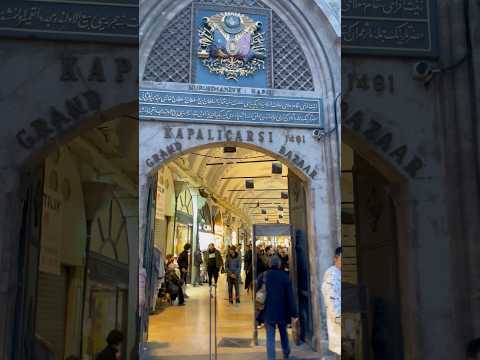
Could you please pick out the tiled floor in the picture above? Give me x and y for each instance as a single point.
(182, 332)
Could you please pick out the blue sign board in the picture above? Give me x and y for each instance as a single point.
(98, 21)
(391, 27)
(234, 106)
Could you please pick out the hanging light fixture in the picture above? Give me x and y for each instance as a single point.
(264, 211)
(284, 195)
(277, 169)
(280, 208)
(249, 184)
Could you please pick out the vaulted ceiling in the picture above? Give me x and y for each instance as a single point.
(224, 174)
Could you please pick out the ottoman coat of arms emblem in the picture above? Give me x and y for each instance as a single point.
(232, 45)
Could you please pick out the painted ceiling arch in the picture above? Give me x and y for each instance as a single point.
(223, 176)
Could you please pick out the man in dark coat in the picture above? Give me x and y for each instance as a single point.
(182, 262)
(214, 263)
(114, 343)
(280, 308)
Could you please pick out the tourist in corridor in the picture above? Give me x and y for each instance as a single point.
(331, 290)
(197, 262)
(183, 266)
(248, 268)
(215, 263)
(279, 308)
(174, 284)
(233, 267)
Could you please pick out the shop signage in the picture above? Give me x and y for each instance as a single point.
(240, 106)
(100, 20)
(396, 27)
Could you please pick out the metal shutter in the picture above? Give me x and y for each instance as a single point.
(51, 305)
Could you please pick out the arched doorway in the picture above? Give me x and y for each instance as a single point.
(241, 185)
(76, 266)
(374, 270)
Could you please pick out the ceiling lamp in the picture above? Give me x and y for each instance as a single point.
(280, 216)
(264, 211)
(277, 168)
(280, 208)
(266, 219)
(249, 184)
(229, 149)
(284, 195)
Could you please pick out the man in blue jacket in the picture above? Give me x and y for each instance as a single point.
(280, 307)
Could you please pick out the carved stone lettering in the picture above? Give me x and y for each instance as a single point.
(179, 134)
(124, 66)
(373, 130)
(25, 140)
(168, 132)
(75, 107)
(399, 154)
(57, 119)
(355, 121)
(414, 166)
(261, 136)
(199, 134)
(238, 137)
(97, 72)
(385, 141)
(41, 127)
(69, 64)
(190, 133)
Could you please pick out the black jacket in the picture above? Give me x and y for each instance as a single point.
(173, 282)
(107, 354)
(183, 260)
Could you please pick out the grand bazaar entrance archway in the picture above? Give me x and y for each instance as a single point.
(240, 74)
(243, 186)
(72, 201)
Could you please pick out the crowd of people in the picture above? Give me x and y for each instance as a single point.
(210, 263)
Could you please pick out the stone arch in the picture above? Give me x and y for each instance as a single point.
(293, 167)
(38, 151)
(392, 158)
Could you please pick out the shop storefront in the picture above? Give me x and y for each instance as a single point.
(183, 221)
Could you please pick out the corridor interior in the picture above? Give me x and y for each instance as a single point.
(214, 195)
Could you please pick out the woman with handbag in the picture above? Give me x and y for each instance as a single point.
(277, 306)
(233, 267)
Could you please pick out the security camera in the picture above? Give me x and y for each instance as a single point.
(317, 133)
(422, 71)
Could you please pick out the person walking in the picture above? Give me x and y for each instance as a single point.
(183, 266)
(331, 290)
(248, 268)
(197, 262)
(262, 261)
(215, 263)
(233, 269)
(283, 254)
(112, 350)
(279, 306)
